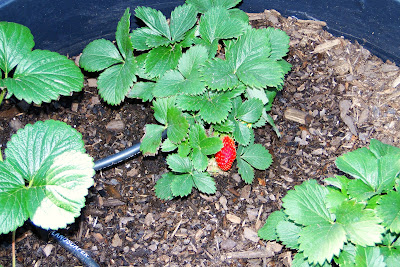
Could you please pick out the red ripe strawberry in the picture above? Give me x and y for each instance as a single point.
(227, 154)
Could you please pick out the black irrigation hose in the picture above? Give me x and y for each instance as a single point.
(72, 248)
(67, 244)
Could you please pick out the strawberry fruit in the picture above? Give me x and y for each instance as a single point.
(226, 156)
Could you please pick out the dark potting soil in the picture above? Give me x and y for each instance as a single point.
(349, 95)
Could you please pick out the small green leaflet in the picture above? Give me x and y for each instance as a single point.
(203, 5)
(151, 139)
(268, 231)
(369, 256)
(120, 72)
(362, 226)
(252, 156)
(16, 41)
(204, 182)
(158, 32)
(389, 211)
(327, 240)
(179, 164)
(163, 186)
(185, 80)
(279, 41)
(306, 204)
(161, 59)
(288, 233)
(58, 174)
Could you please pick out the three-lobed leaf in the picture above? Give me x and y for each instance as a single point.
(45, 183)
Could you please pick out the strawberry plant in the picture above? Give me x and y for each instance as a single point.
(207, 73)
(349, 222)
(35, 76)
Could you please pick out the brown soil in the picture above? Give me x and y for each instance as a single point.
(349, 95)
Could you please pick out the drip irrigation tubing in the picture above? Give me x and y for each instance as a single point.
(109, 161)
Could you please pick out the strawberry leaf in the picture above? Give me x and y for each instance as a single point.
(161, 107)
(179, 164)
(142, 90)
(45, 183)
(215, 107)
(154, 19)
(183, 19)
(219, 74)
(204, 182)
(257, 156)
(161, 59)
(306, 204)
(279, 41)
(16, 42)
(245, 170)
(361, 225)
(99, 55)
(190, 103)
(122, 35)
(42, 76)
(268, 231)
(369, 256)
(203, 5)
(163, 186)
(200, 161)
(177, 127)
(327, 240)
(151, 139)
(182, 185)
(389, 210)
(242, 133)
(250, 111)
(288, 233)
(115, 82)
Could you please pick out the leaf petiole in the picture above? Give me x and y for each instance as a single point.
(2, 95)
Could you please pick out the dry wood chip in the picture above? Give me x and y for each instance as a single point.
(116, 241)
(112, 202)
(99, 238)
(47, 249)
(326, 46)
(92, 82)
(115, 125)
(149, 219)
(296, 115)
(396, 82)
(233, 218)
(250, 234)
(223, 201)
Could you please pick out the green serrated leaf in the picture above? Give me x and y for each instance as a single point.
(168, 146)
(369, 257)
(192, 60)
(219, 74)
(178, 126)
(42, 76)
(250, 111)
(16, 41)
(271, 122)
(339, 181)
(391, 255)
(258, 94)
(361, 164)
(245, 170)
(388, 171)
(334, 199)
(179, 164)
(306, 204)
(199, 160)
(99, 55)
(327, 241)
(279, 41)
(347, 256)
(260, 74)
(163, 186)
(216, 24)
(380, 149)
(361, 225)
(184, 148)
(182, 185)
(288, 233)
(389, 211)
(169, 84)
(226, 126)
(359, 190)
(197, 133)
(151, 139)
(160, 107)
(204, 182)
(161, 59)
(183, 19)
(286, 67)
(268, 231)
(115, 82)
(45, 183)
(154, 19)
(240, 15)
(257, 156)
(190, 103)
(242, 133)
(203, 5)
(142, 90)
(215, 108)
(210, 145)
(144, 39)
(122, 35)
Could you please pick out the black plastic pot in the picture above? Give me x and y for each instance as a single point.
(68, 26)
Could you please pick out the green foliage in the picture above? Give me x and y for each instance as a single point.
(207, 73)
(353, 222)
(35, 76)
(45, 183)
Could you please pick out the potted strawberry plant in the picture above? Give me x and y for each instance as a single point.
(211, 79)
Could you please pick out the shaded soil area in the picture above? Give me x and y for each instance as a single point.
(336, 98)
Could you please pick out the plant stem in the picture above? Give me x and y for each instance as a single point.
(3, 93)
(13, 248)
